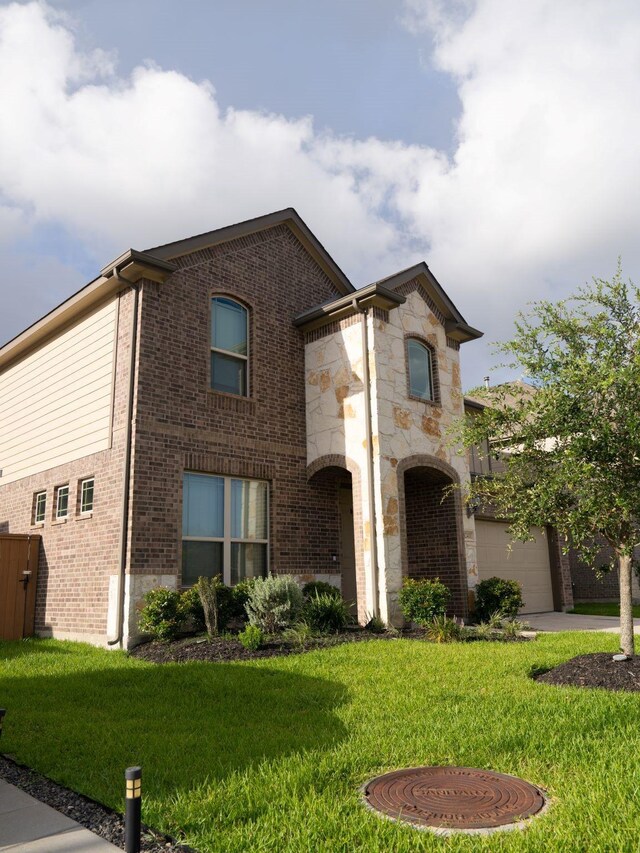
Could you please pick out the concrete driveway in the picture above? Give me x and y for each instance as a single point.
(575, 622)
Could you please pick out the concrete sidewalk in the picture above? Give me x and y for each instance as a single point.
(29, 826)
(575, 622)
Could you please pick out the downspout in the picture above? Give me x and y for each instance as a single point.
(366, 381)
(124, 529)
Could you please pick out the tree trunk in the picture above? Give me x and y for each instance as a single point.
(626, 606)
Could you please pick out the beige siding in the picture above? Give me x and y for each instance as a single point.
(55, 404)
(526, 562)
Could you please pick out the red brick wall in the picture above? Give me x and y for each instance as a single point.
(182, 424)
(432, 537)
(587, 586)
(78, 555)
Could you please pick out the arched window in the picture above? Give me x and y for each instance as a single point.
(420, 361)
(229, 346)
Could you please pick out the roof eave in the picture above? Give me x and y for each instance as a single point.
(461, 332)
(367, 297)
(129, 268)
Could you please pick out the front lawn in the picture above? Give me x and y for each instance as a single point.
(268, 755)
(596, 608)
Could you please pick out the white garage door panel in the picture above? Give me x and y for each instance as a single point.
(527, 563)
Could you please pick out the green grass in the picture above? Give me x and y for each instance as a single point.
(595, 608)
(268, 755)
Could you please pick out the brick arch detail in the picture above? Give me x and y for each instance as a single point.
(336, 460)
(333, 460)
(426, 461)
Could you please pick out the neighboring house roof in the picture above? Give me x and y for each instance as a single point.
(288, 217)
(155, 264)
(384, 294)
(481, 402)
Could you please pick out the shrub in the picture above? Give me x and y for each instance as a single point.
(163, 614)
(320, 587)
(251, 638)
(376, 625)
(422, 600)
(485, 631)
(494, 620)
(298, 635)
(325, 613)
(498, 594)
(441, 629)
(192, 609)
(216, 601)
(511, 628)
(239, 597)
(274, 603)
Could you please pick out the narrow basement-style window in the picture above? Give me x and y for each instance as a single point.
(224, 528)
(229, 346)
(86, 496)
(40, 509)
(62, 501)
(420, 370)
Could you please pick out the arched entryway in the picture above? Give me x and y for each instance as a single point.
(337, 518)
(431, 521)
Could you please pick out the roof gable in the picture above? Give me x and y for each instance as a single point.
(288, 217)
(421, 278)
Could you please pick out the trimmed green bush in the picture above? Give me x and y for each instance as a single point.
(240, 595)
(274, 603)
(251, 638)
(325, 613)
(191, 606)
(498, 595)
(163, 614)
(422, 600)
(321, 588)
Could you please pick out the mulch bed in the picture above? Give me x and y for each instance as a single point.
(230, 649)
(100, 819)
(596, 670)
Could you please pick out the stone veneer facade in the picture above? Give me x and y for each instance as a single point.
(408, 434)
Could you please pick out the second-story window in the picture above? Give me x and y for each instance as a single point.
(62, 501)
(420, 370)
(229, 346)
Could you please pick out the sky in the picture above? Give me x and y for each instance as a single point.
(497, 140)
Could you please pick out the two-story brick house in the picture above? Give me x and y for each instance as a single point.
(231, 404)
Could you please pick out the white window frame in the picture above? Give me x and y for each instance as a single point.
(429, 352)
(59, 491)
(86, 480)
(227, 352)
(37, 496)
(227, 540)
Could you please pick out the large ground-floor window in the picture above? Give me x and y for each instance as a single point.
(225, 528)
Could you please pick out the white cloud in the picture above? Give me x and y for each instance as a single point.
(152, 158)
(542, 191)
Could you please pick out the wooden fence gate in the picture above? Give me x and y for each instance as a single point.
(18, 576)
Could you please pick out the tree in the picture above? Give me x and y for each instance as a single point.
(569, 442)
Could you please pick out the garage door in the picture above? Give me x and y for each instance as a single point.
(527, 563)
